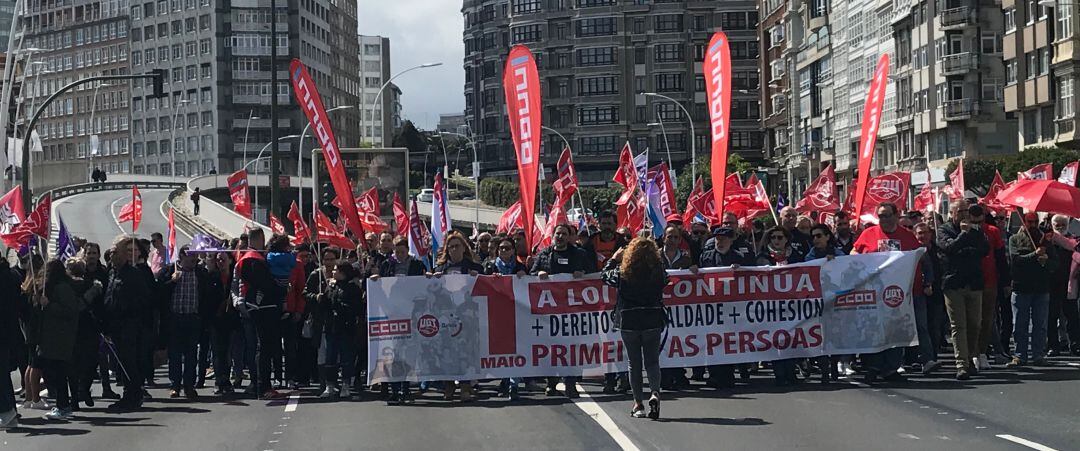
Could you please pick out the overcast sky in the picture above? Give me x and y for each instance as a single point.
(421, 31)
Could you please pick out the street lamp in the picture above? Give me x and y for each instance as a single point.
(256, 170)
(693, 136)
(300, 159)
(247, 130)
(377, 96)
(566, 143)
(172, 153)
(475, 170)
(94, 140)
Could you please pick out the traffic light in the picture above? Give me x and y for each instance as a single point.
(327, 204)
(159, 83)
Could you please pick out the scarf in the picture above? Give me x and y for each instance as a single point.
(504, 267)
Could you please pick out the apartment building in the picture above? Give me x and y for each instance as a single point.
(1039, 50)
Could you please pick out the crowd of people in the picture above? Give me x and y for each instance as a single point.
(267, 316)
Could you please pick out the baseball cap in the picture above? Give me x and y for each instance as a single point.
(724, 231)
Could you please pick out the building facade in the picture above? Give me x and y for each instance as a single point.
(91, 122)
(1040, 49)
(596, 59)
(216, 115)
(379, 120)
(7, 15)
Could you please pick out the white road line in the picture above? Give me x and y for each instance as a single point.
(592, 409)
(1025, 442)
(294, 402)
(116, 219)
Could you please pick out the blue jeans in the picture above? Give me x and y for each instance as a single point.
(927, 353)
(1030, 310)
(183, 349)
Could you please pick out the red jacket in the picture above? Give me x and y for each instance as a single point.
(294, 299)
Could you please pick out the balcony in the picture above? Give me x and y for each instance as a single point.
(956, 18)
(959, 110)
(959, 63)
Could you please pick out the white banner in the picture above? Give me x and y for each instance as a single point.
(460, 327)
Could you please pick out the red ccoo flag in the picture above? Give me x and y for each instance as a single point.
(171, 255)
(238, 192)
(521, 85)
(695, 195)
(328, 233)
(302, 233)
(821, 195)
(1043, 171)
(875, 99)
(717, 67)
(401, 217)
(132, 211)
(566, 183)
(276, 226)
(955, 189)
(990, 199)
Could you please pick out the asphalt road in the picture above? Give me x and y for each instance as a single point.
(1040, 406)
(93, 215)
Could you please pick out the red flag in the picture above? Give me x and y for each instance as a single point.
(521, 85)
(706, 207)
(990, 199)
(926, 201)
(35, 224)
(631, 212)
(717, 68)
(300, 229)
(891, 187)
(276, 226)
(875, 99)
(419, 237)
(328, 233)
(368, 207)
(510, 219)
(661, 176)
(132, 211)
(566, 183)
(401, 218)
(821, 195)
(171, 252)
(849, 201)
(626, 173)
(695, 195)
(1043, 171)
(761, 205)
(307, 96)
(1068, 173)
(556, 216)
(956, 182)
(238, 191)
(12, 212)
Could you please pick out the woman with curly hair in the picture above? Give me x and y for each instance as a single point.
(638, 274)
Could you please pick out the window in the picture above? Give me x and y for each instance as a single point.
(525, 6)
(592, 145)
(526, 33)
(1066, 98)
(669, 23)
(600, 26)
(733, 21)
(593, 86)
(670, 53)
(669, 82)
(1010, 20)
(1064, 20)
(1010, 72)
(992, 89)
(596, 56)
(776, 35)
(1044, 61)
(991, 43)
(599, 115)
(1031, 66)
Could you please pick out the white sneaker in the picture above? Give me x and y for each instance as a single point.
(846, 370)
(345, 391)
(983, 362)
(40, 405)
(56, 415)
(328, 393)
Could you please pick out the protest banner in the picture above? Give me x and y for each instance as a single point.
(460, 327)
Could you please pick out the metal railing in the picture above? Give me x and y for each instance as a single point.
(959, 63)
(955, 17)
(71, 190)
(959, 109)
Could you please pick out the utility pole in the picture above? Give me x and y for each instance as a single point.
(275, 188)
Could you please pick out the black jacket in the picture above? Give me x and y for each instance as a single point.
(961, 256)
(741, 253)
(640, 303)
(568, 261)
(126, 296)
(465, 266)
(1030, 276)
(387, 267)
(339, 309)
(9, 308)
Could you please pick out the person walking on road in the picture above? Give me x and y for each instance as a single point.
(339, 309)
(639, 276)
(962, 247)
(1032, 271)
(256, 292)
(125, 298)
(59, 323)
(195, 197)
(184, 284)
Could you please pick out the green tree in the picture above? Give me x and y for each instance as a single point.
(411, 138)
(979, 171)
(702, 164)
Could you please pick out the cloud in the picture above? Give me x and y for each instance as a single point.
(421, 31)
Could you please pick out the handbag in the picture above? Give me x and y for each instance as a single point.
(308, 329)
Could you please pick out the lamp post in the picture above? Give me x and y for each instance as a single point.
(693, 136)
(172, 154)
(93, 130)
(566, 143)
(475, 171)
(9, 81)
(247, 130)
(381, 89)
(300, 160)
(258, 157)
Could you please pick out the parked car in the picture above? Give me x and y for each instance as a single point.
(574, 214)
(426, 195)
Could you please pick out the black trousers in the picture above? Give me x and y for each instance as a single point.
(56, 379)
(222, 337)
(1057, 300)
(7, 391)
(131, 345)
(267, 346)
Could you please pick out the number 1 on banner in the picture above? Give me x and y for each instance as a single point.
(502, 315)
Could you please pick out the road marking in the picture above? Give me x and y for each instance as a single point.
(294, 402)
(1025, 442)
(116, 218)
(592, 409)
(909, 436)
